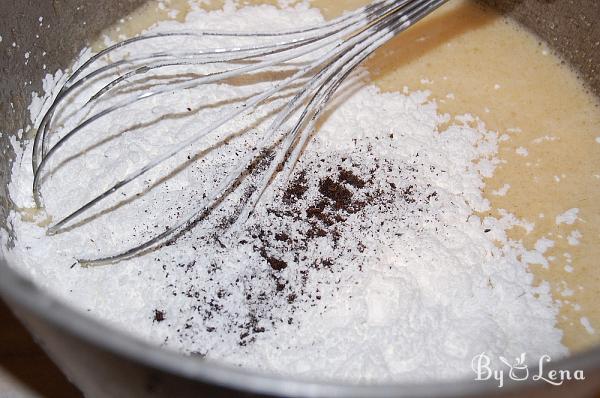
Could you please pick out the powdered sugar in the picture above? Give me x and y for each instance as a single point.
(568, 217)
(574, 238)
(586, 324)
(370, 264)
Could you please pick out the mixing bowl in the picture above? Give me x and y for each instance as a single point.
(103, 362)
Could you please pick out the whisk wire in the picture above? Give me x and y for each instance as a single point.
(71, 81)
(341, 46)
(251, 104)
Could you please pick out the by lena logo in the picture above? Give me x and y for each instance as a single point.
(518, 370)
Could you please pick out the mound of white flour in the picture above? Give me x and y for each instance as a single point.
(374, 262)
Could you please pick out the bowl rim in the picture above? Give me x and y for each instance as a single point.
(16, 288)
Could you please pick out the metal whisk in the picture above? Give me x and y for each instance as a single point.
(344, 42)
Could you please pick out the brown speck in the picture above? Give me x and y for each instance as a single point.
(336, 192)
(276, 263)
(159, 316)
(350, 178)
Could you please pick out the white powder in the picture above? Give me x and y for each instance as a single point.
(545, 138)
(587, 325)
(574, 237)
(569, 268)
(369, 265)
(522, 151)
(535, 257)
(502, 191)
(542, 245)
(568, 217)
